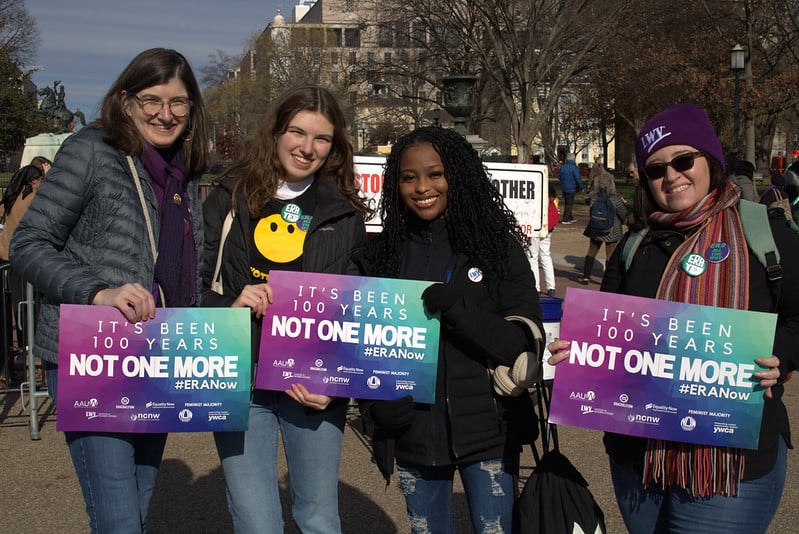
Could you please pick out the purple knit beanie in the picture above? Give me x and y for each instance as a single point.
(680, 124)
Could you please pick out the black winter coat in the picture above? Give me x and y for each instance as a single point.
(336, 229)
(468, 421)
(642, 280)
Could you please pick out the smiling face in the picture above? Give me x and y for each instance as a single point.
(679, 190)
(303, 148)
(162, 129)
(422, 184)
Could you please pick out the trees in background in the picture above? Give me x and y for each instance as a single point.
(552, 74)
(19, 41)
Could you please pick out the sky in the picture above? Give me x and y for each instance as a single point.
(87, 43)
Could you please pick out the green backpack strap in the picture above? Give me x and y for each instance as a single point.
(631, 245)
(754, 218)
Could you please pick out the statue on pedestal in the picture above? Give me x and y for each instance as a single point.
(55, 109)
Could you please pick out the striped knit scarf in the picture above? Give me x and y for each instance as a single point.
(703, 470)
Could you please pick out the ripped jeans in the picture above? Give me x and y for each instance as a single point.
(490, 487)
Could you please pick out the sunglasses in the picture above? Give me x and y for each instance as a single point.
(681, 163)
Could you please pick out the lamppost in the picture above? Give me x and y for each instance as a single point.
(362, 137)
(737, 57)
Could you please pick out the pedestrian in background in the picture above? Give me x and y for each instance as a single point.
(540, 248)
(86, 239)
(295, 207)
(604, 187)
(570, 184)
(444, 221)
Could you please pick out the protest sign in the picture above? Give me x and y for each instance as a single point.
(660, 369)
(348, 336)
(187, 370)
(524, 189)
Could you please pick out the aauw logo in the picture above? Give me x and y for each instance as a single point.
(582, 395)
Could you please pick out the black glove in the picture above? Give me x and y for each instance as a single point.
(394, 414)
(439, 297)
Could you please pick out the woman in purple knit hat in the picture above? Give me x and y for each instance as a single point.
(684, 205)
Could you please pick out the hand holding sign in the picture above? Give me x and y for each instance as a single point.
(662, 369)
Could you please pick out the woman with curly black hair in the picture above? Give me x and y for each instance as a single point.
(444, 221)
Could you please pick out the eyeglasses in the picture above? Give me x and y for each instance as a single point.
(681, 163)
(178, 107)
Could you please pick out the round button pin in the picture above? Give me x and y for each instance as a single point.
(694, 264)
(717, 252)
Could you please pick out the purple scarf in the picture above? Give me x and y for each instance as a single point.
(176, 267)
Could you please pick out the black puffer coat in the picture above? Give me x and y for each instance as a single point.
(336, 229)
(643, 279)
(85, 230)
(468, 421)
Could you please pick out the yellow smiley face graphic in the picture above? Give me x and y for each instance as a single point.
(277, 240)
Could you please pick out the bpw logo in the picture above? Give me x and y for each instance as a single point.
(586, 408)
(688, 423)
(91, 403)
(583, 396)
(91, 415)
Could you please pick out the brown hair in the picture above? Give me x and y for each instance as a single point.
(258, 170)
(155, 66)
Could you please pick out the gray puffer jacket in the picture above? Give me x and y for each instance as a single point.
(85, 231)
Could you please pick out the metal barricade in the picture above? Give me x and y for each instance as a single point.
(16, 336)
(35, 389)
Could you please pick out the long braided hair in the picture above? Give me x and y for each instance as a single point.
(479, 224)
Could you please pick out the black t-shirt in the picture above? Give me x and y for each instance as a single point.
(278, 235)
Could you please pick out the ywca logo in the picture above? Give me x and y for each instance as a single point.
(373, 382)
(91, 403)
(583, 396)
(688, 423)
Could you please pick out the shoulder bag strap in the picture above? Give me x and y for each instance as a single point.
(147, 220)
(216, 281)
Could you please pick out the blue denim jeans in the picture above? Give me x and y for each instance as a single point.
(490, 487)
(117, 473)
(676, 511)
(312, 443)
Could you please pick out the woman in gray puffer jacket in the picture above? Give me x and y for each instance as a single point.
(120, 194)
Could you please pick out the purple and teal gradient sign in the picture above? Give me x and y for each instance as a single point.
(187, 370)
(348, 336)
(660, 369)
